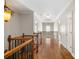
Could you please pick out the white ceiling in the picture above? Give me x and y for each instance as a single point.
(18, 7)
(41, 7)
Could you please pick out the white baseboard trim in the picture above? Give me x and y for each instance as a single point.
(73, 55)
(68, 50)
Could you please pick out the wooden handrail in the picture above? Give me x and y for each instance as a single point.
(20, 38)
(18, 46)
(9, 53)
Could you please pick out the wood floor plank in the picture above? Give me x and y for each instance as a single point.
(50, 49)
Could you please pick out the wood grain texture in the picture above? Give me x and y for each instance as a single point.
(9, 53)
(51, 49)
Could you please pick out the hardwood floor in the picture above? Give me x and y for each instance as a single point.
(50, 49)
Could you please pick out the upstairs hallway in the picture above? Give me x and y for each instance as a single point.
(51, 49)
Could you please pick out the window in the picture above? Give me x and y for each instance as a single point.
(47, 28)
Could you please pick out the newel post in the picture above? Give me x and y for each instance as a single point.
(9, 42)
(23, 35)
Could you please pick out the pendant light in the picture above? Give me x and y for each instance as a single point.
(7, 13)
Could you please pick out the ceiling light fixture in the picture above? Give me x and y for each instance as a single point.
(7, 13)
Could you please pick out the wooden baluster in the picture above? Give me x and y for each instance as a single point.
(12, 48)
(40, 38)
(15, 46)
(23, 47)
(18, 50)
(21, 50)
(37, 44)
(30, 50)
(32, 43)
(27, 51)
(9, 42)
(24, 50)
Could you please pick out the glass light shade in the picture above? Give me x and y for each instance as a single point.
(7, 15)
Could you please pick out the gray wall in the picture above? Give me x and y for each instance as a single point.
(19, 23)
(11, 28)
(26, 22)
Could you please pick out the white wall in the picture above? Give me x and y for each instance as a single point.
(37, 24)
(11, 28)
(73, 21)
(55, 26)
(66, 29)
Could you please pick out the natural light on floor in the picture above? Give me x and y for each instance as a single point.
(47, 41)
